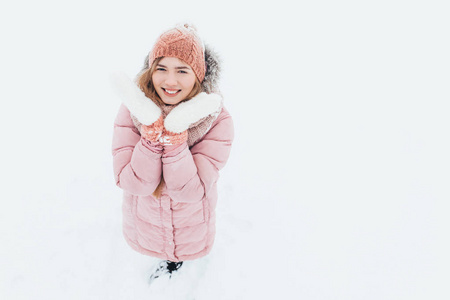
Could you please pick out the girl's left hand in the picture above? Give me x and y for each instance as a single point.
(187, 113)
(170, 138)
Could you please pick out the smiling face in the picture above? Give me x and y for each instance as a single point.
(173, 80)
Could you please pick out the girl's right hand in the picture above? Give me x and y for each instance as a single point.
(143, 108)
(153, 132)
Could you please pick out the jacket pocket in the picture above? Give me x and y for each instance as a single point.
(187, 214)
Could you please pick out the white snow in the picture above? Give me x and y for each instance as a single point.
(338, 182)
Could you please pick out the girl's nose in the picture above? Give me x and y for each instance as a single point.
(171, 80)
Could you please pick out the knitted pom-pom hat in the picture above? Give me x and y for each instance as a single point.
(181, 42)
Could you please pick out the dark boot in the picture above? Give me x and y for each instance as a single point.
(173, 266)
(165, 267)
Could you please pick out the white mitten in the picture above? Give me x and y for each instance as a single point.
(189, 112)
(178, 121)
(143, 108)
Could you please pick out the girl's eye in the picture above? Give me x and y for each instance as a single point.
(160, 69)
(182, 72)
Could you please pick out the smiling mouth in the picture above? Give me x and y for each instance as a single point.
(170, 92)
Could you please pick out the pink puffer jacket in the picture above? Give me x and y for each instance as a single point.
(181, 224)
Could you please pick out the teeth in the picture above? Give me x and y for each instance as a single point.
(172, 92)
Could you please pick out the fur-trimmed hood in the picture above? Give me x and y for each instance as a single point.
(195, 115)
(198, 113)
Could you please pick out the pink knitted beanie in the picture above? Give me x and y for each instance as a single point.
(181, 42)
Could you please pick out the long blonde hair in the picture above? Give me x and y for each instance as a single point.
(145, 83)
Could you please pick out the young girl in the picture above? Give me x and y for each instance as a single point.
(172, 135)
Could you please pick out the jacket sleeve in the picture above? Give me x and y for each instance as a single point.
(190, 174)
(136, 162)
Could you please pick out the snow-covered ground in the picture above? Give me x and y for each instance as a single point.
(338, 182)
